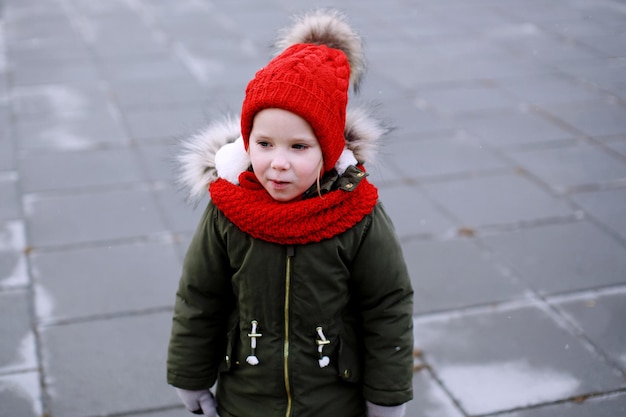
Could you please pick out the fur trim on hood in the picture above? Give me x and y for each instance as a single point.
(218, 152)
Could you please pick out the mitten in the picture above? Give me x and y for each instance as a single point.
(374, 410)
(198, 402)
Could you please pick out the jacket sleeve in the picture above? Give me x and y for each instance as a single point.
(203, 302)
(385, 297)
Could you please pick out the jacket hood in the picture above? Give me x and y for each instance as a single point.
(217, 151)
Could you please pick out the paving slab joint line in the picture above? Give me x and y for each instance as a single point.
(427, 368)
(140, 412)
(45, 323)
(29, 370)
(148, 16)
(157, 237)
(577, 399)
(529, 300)
(615, 289)
(565, 322)
(605, 147)
(601, 225)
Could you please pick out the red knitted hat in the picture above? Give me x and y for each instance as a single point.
(310, 78)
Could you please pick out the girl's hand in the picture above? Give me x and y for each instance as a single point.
(374, 410)
(198, 402)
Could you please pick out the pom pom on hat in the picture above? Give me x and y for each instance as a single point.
(321, 56)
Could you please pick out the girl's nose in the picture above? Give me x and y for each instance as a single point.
(279, 161)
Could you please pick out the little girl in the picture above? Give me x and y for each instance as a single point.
(294, 294)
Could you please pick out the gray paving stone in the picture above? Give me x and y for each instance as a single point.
(17, 345)
(255, 18)
(95, 9)
(92, 217)
(12, 235)
(467, 99)
(48, 52)
(412, 213)
(20, 395)
(113, 366)
(61, 101)
(610, 45)
(445, 155)
(129, 48)
(562, 257)
(548, 48)
(607, 207)
(582, 29)
(502, 360)
(618, 146)
(29, 8)
(409, 118)
(7, 150)
(383, 171)
(9, 201)
(594, 118)
(410, 73)
(513, 129)
(13, 265)
(473, 17)
(5, 109)
(159, 162)
(147, 125)
(601, 318)
(162, 92)
(225, 75)
(496, 200)
(550, 14)
(429, 399)
(119, 279)
(462, 48)
(144, 69)
(180, 216)
(455, 274)
(495, 69)
(79, 132)
(179, 411)
(82, 169)
(32, 28)
(57, 73)
(198, 22)
(549, 89)
(118, 24)
(605, 406)
(606, 74)
(379, 89)
(566, 168)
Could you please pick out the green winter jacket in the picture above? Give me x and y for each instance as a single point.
(345, 302)
(350, 295)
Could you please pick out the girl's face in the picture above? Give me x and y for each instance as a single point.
(285, 154)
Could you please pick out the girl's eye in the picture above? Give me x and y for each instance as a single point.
(300, 146)
(263, 144)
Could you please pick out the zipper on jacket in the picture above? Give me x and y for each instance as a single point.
(290, 254)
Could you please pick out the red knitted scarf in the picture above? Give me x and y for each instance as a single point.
(255, 212)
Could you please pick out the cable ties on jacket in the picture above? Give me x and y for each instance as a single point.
(252, 359)
(321, 342)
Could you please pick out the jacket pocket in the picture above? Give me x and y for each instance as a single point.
(232, 337)
(348, 361)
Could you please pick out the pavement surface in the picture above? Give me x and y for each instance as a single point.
(506, 179)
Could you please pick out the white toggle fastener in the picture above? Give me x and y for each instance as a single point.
(321, 342)
(252, 359)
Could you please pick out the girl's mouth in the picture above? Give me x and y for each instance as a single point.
(278, 185)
